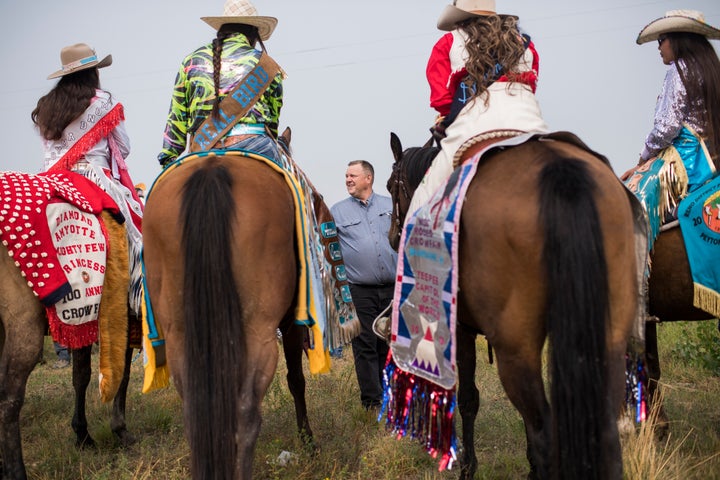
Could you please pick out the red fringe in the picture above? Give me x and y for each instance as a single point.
(423, 409)
(71, 336)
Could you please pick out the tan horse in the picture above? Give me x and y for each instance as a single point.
(546, 251)
(22, 331)
(221, 269)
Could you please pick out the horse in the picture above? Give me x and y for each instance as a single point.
(23, 325)
(670, 298)
(221, 267)
(546, 251)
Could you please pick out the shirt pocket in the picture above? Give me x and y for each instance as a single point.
(348, 225)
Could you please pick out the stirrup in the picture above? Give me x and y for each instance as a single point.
(382, 323)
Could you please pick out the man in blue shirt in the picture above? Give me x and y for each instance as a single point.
(363, 222)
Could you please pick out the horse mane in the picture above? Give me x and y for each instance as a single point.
(417, 160)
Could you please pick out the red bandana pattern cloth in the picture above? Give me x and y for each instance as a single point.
(29, 202)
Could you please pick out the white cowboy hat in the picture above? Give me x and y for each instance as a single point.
(79, 57)
(244, 12)
(462, 10)
(687, 21)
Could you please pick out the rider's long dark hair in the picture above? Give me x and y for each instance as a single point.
(702, 81)
(65, 102)
(225, 31)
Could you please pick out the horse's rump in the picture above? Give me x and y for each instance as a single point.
(221, 268)
(547, 241)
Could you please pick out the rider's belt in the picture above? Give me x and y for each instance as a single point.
(247, 129)
(240, 132)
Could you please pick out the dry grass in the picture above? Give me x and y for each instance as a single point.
(352, 444)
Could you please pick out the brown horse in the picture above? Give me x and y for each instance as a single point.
(22, 331)
(221, 269)
(670, 293)
(546, 251)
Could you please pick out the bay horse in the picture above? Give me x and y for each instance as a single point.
(547, 250)
(221, 269)
(23, 324)
(670, 298)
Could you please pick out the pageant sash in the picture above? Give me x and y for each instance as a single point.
(94, 124)
(236, 104)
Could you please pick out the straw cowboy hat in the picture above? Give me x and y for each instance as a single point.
(687, 21)
(242, 11)
(464, 9)
(79, 57)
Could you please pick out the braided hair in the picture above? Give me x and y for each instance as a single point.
(225, 31)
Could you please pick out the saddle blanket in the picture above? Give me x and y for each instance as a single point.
(699, 216)
(325, 310)
(425, 301)
(51, 227)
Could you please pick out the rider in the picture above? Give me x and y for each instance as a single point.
(210, 72)
(99, 153)
(683, 146)
(482, 77)
(227, 69)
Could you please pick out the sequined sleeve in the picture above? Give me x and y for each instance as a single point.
(671, 110)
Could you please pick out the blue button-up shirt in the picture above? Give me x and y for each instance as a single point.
(363, 231)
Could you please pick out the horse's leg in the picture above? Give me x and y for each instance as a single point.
(117, 423)
(652, 364)
(292, 338)
(81, 366)
(21, 348)
(468, 398)
(611, 447)
(521, 376)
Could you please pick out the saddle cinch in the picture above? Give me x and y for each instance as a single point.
(67, 237)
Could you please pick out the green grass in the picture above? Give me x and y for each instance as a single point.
(352, 444)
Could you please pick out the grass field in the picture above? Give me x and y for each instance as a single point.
(352, 444)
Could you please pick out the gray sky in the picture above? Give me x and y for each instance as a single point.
(356, 72)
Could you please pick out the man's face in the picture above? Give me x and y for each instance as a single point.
(357, 182)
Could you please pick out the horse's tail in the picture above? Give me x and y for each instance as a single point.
(214, 343)
(577, 311)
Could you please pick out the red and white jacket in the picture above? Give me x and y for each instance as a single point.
(446, 69)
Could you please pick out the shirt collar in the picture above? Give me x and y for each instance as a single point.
(367, 202)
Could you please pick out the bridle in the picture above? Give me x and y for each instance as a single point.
(399, 186)
(408, 172)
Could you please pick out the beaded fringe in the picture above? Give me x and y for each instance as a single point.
(422, 409)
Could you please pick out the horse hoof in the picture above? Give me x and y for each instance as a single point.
(86, 442)
(125, 438)
(662, 430)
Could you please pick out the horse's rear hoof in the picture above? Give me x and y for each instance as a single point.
(86, 442)
(125, 438)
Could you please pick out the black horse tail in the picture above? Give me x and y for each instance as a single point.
(214, 341)
(577, 311)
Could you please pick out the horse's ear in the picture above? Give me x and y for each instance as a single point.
(287, 134)
(396, 146)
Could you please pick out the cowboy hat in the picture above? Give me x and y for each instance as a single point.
(244, 12)
(686, 21)
(461, 10)
(79, 57)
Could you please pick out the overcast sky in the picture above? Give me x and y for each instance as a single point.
(356, 72)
